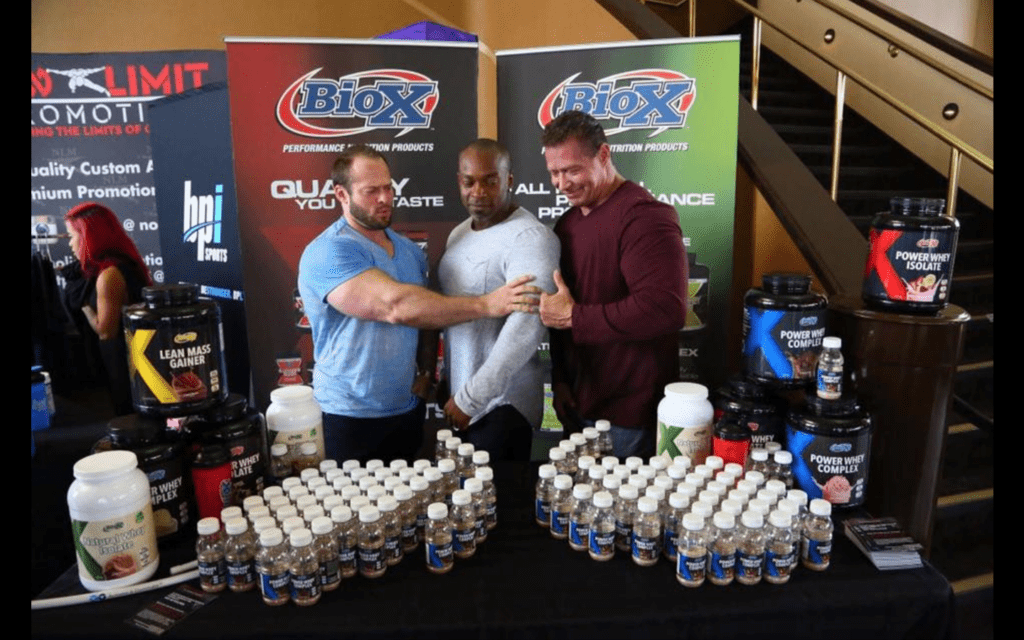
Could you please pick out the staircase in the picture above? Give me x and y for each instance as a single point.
(873, 168)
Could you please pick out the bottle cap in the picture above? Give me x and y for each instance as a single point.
(637, 481)
(678, 501)
(563, 482)
(397, 465)
(687, 489)
(376, 492)
(208, 526)
(453, 443)
(778, 486)
(656, 492)
(547, 471)
(658, 463)
(481, 458)
(761, 506)
(312, 513)
(327, 465)
(715, 462)
(418, 483)
(387, 503)
(724, 520)
(272, 492)
(603, 425)
(797, 495)
(759, 454)
(628, 492)
(466, 449)
(582, 492)
(308, 449)
(437, 511)
(732, 507)
(752, 519)
(285, 512)
(676, 472)
(591, 433)
(820, 507)
(831, 342)
(474, 485)
(420, 465)
(783, 457)
(578, 439)
(755, 476)
(341, 514)
(683, 461)
(261, 524)
(403, 492)
(373, 465)
(780, 519)
(358, 502)
(331, 501)
(261, 511)
(485, 473)
(609, 462)
(432, 474)
(693, 521)
(647, 472)
(278, 449)
(603, 499)
(461, 497)
(302, 502)
(271, 537)
(443, 434)
(788, 506)
(611, 482)
(633, 463)
(368, 514)
(586, 462)
(567, 446)
(596, 473)
(321, 525)
(291, 524)
(702, 509)
(647, 504)
(227, 513)
(446, 465)
(349, 465)
(301, 537)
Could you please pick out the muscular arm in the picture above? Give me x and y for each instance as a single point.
(111, 294)
(653, 265)
(373, 295)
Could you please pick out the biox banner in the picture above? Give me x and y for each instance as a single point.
(669, 110)
(297, 104)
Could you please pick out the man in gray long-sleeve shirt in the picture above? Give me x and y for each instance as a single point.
(494, 368)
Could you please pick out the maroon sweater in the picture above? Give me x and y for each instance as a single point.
(626, 267)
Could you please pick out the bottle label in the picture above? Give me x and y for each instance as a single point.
(779, 565)
(275, 586)
(347, 556)
(579, 533)
(559, 521)
(602, 544)
(241, 573)
(330, 571)
(115, 548)
(783, 345)
(439, 556)
(909, 265)
(464, 539)
(542, 510)
(669, 543)
(408, 536)
(623, 534)
(481, 526)
(371, 560)
(305, 586)
(830, 384)
(693, 441)
(392, 548)
(723, 566)
(213, 573)
(492, 515)
(691, 568)
(817, 551)
(750, 564)
(646, 547)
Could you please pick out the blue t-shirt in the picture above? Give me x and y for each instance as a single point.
(364, 368)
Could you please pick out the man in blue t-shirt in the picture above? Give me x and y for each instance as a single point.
(373, 320)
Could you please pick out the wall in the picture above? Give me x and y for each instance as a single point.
(59, 26)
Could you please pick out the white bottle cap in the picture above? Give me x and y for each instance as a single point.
(637, 481)
(261, 524)
(420, 465)
(628, 492)
(563, 482)
(603, 425)
(331, 501)
(759, 505)
(734, 468)
(341, 514)
(702, 509)
(481, 458)
(349, 492)
(633, 463)
(366, 482)
(446, 465)
(391, 482)
(474, 485)
(609, 462)
(578, 439)
(308, 449)
(485, 474)
(658, 463)
(327, 465)
(709, 496)
(376, 492)
(301, 537)
(291, 393)
(332, 475)
(689, 390)
(387, 503)
(397, 465)
(647, 504)
(418, 483)
(783, 457)
(724, 520)
(291, 524)
(778, 486)
(747, 486)
(271, 537)
(647, 472)
(693, 521)
(358, 474)
(432, 474)
(261, 511)
(718, 487)
(781, 519)
(752, 519)
(586, 462)
(772, 446)
(831, 342)
(406, 474)
(373, 465)
(820, 507)
(704, 471)
(688, 489)
(738, 495)
(768, 496)
(656, 492)
(797, 495)
(759, 454)
(678, 500)
(755, 476)
(461, 497)
(272, 492)
(350, 465)
(731, 507)
(611, 482)
(582, 492)
(676, 471)
(443, 434)
(278, 449)
(358, 502)
(208, 526)
(683, 461)
(596, 473)
(302, 502)
(311, 513)
(228, 513)
(402, 492)
(289, 483)
(321, 525)
(547, 471)
(591, 433)
(437, 511)
(285, 512)
(603, 499)
(567, 446)
(466, 449)
(715, 462)
(369, 513)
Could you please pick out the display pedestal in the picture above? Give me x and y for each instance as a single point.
(902, 369)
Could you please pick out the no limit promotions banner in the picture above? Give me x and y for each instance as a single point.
(295, 105)
(90, 136)
(669, 109)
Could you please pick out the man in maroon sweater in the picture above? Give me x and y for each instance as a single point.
(621, 294)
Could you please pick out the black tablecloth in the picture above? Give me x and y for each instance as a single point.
(523, 583)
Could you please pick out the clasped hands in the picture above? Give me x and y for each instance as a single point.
(555, 309)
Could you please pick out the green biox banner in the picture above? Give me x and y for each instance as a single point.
(669, 110)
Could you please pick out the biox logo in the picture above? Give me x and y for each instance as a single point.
(363, 101)
(202, 223)
(657, 99)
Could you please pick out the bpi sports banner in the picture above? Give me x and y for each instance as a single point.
(90, 135)
(669, 110)
(295, 105)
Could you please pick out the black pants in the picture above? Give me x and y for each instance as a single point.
(365, 439)
(503, 432)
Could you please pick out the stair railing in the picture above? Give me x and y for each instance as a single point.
(958, 148)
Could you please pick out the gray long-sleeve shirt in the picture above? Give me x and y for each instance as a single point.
(494, 361)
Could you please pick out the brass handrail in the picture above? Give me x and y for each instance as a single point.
(958, 147)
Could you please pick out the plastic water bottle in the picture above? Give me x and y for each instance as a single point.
(830, 369)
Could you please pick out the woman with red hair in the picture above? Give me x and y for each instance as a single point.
(113, 276)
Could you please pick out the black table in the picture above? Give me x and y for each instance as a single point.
(524, 583)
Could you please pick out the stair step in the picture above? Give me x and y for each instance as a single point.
(967, 498)
(965, 586)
